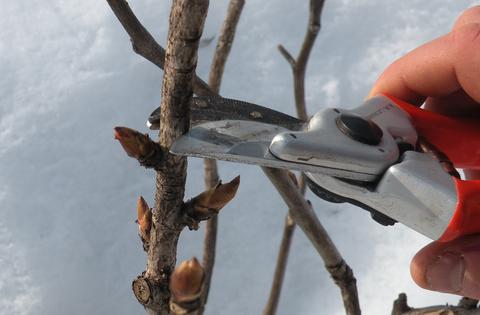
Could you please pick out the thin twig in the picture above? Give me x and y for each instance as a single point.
(222, 51)
(287, 55)
(299, 65)
(303, 215)
(143, 42)
(298, 68)
(224, 43)
(400, 307)
(282, 258)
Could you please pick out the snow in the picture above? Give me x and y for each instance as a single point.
(68, 241)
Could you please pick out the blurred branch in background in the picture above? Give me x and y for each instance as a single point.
(338, 268)
(466, 306)
(222, 51)
(303, 215)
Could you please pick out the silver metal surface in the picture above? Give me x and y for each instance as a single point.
(390, 117)
(323, 144)
(416, 192)
(248, 142)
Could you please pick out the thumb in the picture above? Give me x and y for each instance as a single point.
(450, 267)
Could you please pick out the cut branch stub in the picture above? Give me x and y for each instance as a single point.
(186, 285)
(144, 220)
(141, 289)
(211, 201)
(139, 146)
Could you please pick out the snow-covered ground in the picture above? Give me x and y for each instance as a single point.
(68, 241)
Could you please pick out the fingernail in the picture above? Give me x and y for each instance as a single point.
(446, 273)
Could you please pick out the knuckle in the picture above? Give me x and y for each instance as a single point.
(471, 15)
(467, 37)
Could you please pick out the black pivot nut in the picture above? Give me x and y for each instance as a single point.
(360, 129)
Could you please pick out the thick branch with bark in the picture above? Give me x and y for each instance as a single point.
(186, 25)
(222, 51)
(143, 42)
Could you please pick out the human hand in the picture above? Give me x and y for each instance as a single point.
(445, 74)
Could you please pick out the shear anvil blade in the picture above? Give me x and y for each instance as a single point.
(246, 142)
(214, 108)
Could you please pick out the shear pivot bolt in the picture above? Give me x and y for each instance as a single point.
(360, 129)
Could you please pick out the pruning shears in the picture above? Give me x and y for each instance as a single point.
(370, 156)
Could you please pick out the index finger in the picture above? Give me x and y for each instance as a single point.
(437, 69)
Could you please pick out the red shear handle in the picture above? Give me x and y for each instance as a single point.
(466, 218)
(459, 139)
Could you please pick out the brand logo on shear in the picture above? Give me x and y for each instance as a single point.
(387, 107)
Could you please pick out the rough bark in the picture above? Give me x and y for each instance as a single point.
(186, 25)
(143, 42)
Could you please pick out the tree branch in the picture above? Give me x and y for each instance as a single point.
(300, 105)
(400, 307)
(222, 51)
(340, 271)
(284, 52)
(304, 216)
(288, 229)
(299, 65)
(186, 25)
(143, 42)
(224, 43)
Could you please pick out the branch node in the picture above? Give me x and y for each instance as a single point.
(314, 28)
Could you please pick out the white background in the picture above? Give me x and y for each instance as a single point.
(68, 241)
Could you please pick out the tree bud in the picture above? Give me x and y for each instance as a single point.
(211, 201)
(186, 281)
(135, 144)
(144, 218)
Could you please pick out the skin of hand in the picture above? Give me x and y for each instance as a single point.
(445, 75)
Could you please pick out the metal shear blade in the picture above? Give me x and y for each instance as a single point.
(248, 142)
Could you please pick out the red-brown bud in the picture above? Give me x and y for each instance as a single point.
(186, 281)
(135, 144)
(144, 218)
(214, 199)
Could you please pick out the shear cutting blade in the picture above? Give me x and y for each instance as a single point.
(247, 142)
